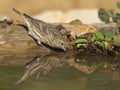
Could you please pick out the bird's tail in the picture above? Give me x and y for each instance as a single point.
(18, 12)
(21, 14)
(26, 17)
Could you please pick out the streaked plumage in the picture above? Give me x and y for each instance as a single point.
(43, 33)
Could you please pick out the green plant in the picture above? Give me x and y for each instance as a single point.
(109, 15)
(98, 39)
(81, 43)
(104, 15)
(103, 40)
(118, 5)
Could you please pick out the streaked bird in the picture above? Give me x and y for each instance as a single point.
(44, 33)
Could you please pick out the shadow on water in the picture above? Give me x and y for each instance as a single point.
(59, 70)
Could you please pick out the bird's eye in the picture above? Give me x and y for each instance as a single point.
(62, 43)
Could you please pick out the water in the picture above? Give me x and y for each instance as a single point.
(98, 74)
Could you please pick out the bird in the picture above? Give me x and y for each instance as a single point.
(44, 33)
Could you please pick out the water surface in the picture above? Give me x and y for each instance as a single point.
(75, 74)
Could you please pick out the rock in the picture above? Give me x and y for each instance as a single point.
(107, 27)
(77, 29)
(6, 19)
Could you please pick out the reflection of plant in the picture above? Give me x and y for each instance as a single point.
(98, 39)
(109, 15)
(98, 63)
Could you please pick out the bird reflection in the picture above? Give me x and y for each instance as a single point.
(43, 65)
(46, 64)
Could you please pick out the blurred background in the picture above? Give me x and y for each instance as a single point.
(35, 7)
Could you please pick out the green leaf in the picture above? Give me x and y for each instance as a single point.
(93, 39)
(81, 45)
(103, 15)
(81, 41)
(116, 17)
(106, 45)
(99, 43)
(118, 5)
(107, 39)
(110, 34)
(99, 35)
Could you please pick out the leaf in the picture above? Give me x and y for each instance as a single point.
(110, 34)
(103, 15)
(81, 45)
(99, 43)
(99, 35)
(107, 39)
(116, 17)
(81, 41)
(106, 45)
(118, 5)
(93, 39)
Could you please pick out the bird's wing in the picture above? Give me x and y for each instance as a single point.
(29, 20)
